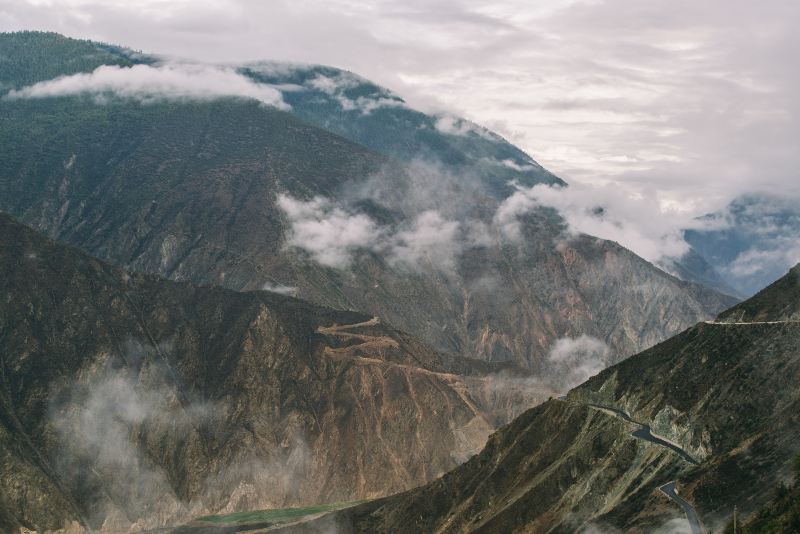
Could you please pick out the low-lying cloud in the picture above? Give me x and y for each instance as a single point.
(505, 395)
(430, 238)
(572, 361)
(281, 289)
(98, 422)
(604, 212)
(149, 83)
(332, 234)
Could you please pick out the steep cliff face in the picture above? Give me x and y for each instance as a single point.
(192, 190)
(130, 400)
(722, 393)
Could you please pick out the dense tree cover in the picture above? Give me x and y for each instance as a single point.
(781, 516)
(29, 57)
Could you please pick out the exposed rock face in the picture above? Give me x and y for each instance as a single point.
(189, 190)
(127, 399)
(725, 393)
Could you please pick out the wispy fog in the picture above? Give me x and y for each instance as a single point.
(572, 361)
(142, 452)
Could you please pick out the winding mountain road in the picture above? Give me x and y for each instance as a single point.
(645, 433)
(750, 322)
(668, 489)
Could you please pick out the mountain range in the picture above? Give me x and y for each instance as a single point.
(751, 242)
(265, 285)
(233, 192)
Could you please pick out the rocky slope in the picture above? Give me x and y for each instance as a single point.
(126, 399)
(778, 302)
(232, 192)
(724, 393)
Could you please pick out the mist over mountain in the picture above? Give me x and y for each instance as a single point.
(241, 286)
(199, 173)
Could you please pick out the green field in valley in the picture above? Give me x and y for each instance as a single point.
(277, 515)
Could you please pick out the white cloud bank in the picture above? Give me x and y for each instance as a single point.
(332, 235)
(640, 223)
(328, 233)
(148, 83)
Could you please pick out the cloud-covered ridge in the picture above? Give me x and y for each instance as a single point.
(606, 212)
(338, 86)
(146, 83)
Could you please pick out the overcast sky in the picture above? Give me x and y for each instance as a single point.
(684, 101)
